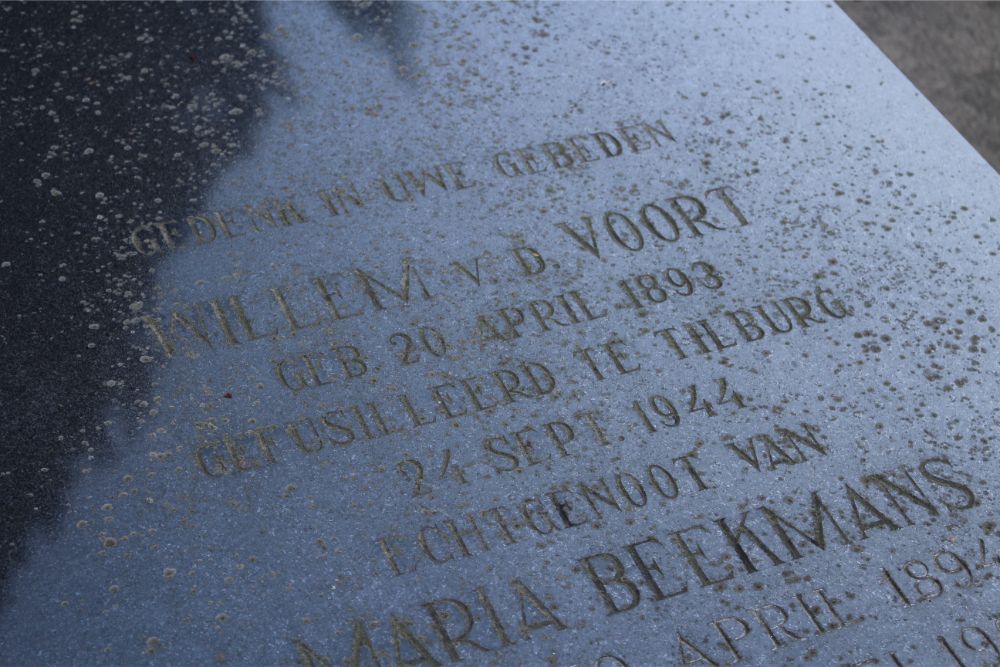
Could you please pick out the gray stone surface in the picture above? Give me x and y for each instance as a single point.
(585, 334)
(950, 51)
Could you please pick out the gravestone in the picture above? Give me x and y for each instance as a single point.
(586, 334)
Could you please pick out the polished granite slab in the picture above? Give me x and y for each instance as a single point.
(415, 334)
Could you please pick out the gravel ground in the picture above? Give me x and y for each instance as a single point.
(950, 51)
